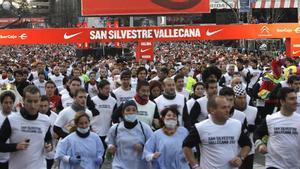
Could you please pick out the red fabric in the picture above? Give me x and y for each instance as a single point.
(276, 68)
(140, 100)
(54, 102)
(270, 86)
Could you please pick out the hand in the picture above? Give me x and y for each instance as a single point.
(262, 149)
(138, 147)
(98, 161)
(54, 135)
(74, 161)
(156, 155)
(112, 149)
(236, 162)
(23, 145)
(48, 147)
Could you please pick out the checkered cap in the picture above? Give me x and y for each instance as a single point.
(239, 90)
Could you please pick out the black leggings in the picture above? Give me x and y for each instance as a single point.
(49, 163)
(105, 147)
(248, 162)
(4, 165)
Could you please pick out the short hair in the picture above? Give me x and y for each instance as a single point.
(293, 78)
(32, 89)
(140, 69)
(283, 92)
(79, 115)
(164, 70)
(7, 94)
(254, 61)
(125, 74)
(18, 71)
(142, 83)
(226, 91)
(44, 98)
(212, 101)
(165, 111)
(155, 83)
(239, 60)
(167, 79)
(209, 82)
(92, 72)
(198, 84)
(177, 77)
(103, 83)
(75, 79)
(50, 82)
(80, 90)
(41, 73)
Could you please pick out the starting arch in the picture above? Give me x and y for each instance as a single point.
(145, 36)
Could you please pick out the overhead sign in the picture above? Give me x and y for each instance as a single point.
(146, 34)
(142, 7)
(129, 34)
(293, 47)
(145, 51)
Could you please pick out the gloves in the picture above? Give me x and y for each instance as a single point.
(74, 161)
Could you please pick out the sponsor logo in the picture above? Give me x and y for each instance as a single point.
(146, 56)
(284, 30)
(23, 36)
(145, 50)
(297, 30)
(265, 31)
(208, 33)
(71, 36)
(296, 52)
(8, 36)
(296, 45)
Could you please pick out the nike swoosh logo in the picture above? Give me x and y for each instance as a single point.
(295, 52)
(144, 50)
(208, 33)
(71, 36)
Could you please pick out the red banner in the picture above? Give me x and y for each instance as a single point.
(142, 7)
(145, 51)
(129, 34)
(294, 47)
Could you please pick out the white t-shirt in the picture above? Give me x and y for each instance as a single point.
(58, 80)
(40, 85)
(123, 95)
(203, 104)
(101, 123)
(283, 143)
(35, 130)
(65, 119)
(219, 143)
(178, 102)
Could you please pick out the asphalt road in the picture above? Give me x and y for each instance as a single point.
(258, 164)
